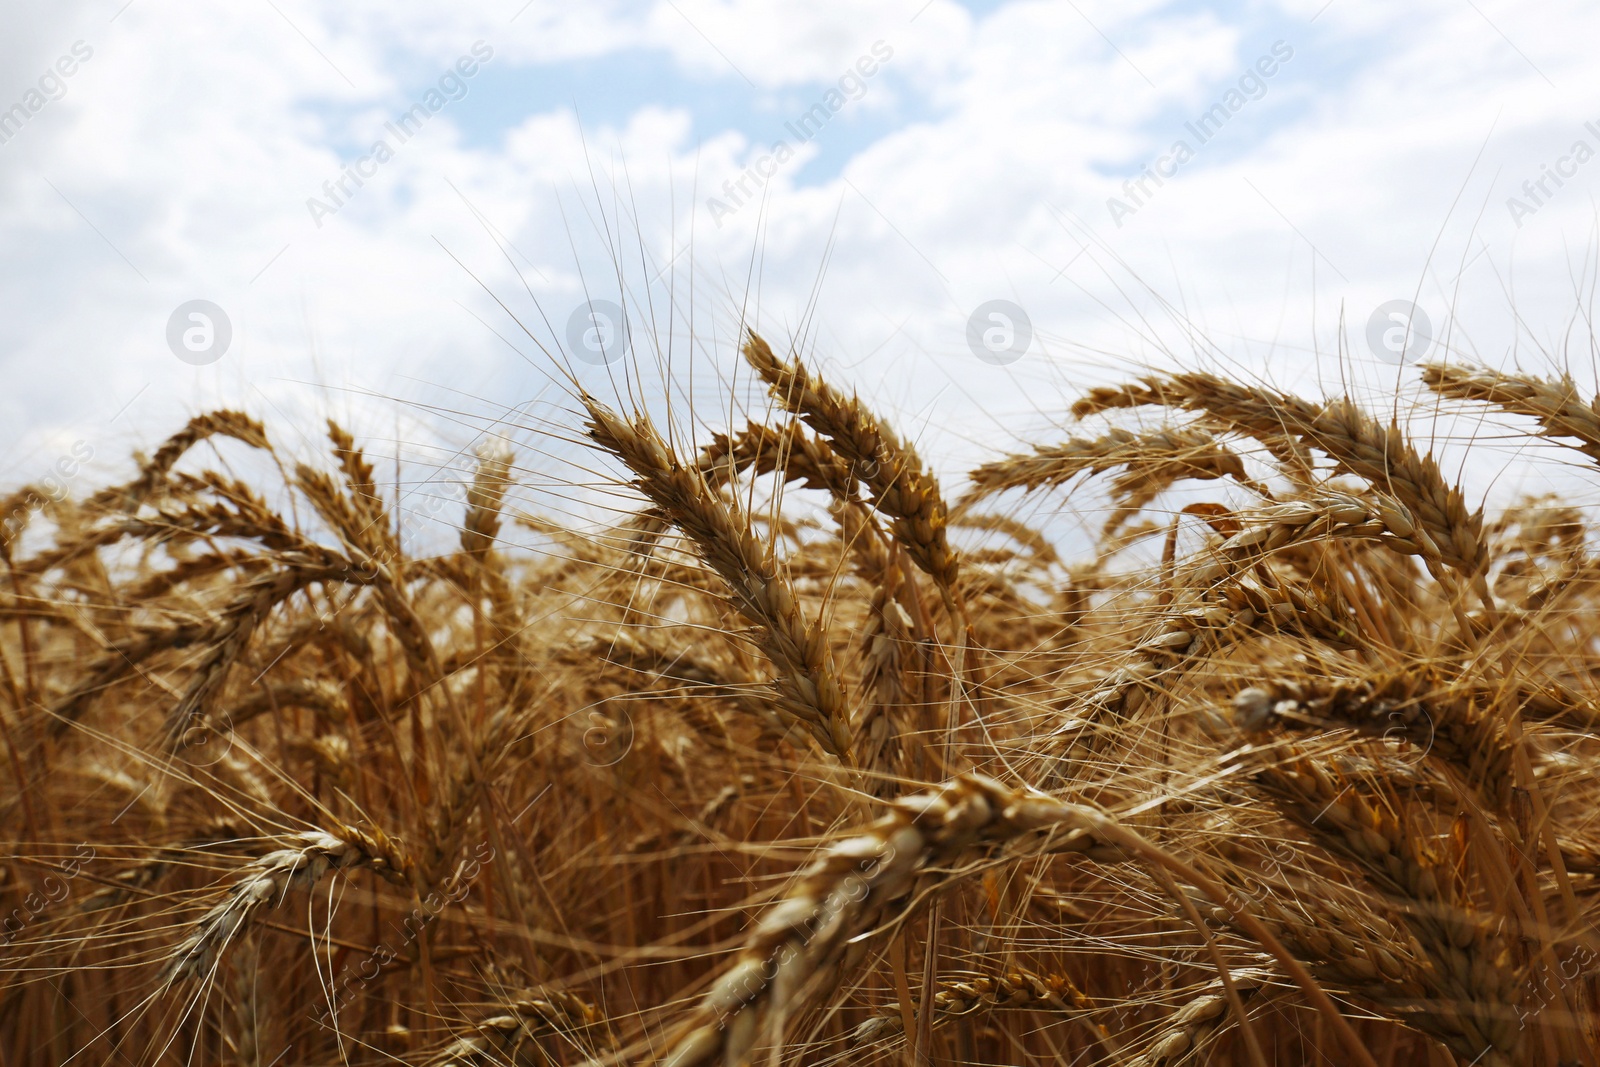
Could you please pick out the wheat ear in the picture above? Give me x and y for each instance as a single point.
(1176, 642)
(1198, 1023)
(1326, 514)
(1358, 444)
(485, 497)
(864, 882)
(154, 471)
(511, 1035)
(1152, 462)
(1020, 990)
(809, 687)
(1561, 412)
(1472, 987)
(1403, 703)
(901, 485)
(266, 881)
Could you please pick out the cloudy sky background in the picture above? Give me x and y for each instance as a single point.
(975, 164)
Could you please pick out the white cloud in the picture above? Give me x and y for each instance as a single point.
(193, 137)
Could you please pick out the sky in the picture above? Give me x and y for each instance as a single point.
(403, 215)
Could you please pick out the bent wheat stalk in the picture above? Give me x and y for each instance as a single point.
(809, 687)
(1380, 455)
(265, 883)
(864, 882)
(1152, 462)
(1471, 983)
(1401, 704)
(902, 486)
(1556, 404)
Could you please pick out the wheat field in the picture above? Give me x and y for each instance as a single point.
(805, 756)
